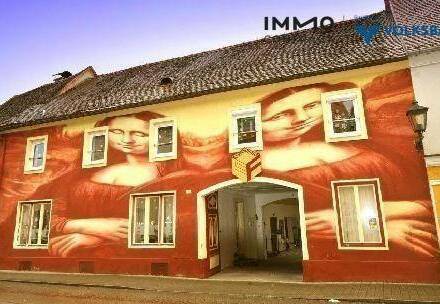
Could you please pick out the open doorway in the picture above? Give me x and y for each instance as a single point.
(260, 236)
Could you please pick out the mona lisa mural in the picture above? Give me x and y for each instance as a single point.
(95, 211)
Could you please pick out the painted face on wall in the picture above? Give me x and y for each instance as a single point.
(293, 116)
(129, 135)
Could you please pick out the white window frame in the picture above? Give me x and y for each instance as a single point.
(131, 219)
(87, 147)
(18, 219)
(155, 124)
(31, 142)
(252, 110)
(338, 222)
(361, 128)
(432, 183)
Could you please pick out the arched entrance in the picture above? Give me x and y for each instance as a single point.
(265, 195)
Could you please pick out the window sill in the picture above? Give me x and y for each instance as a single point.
(45, 247)
(35, 171)
(144, 246)
(364, 247)
(86, 166)
(348, 137)
(158, 158)
(238, 148)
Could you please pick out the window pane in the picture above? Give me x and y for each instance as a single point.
(154, 220)
(37, 160)
(165, 139)
(139, 225)
(98, 145)
(246, 130)
(343, 116)
(168, 219)
(369, 215)
(350, 231)
(35, 224)
(25, 224)
(45, 226)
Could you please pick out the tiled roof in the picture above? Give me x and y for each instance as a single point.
(417, 12)
(279, 58)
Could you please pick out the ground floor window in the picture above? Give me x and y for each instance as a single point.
(32, 225)
(152, 220)
(360, 221)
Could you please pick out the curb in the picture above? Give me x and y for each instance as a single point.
(123, 287)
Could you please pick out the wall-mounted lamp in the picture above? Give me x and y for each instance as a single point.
(418, 116)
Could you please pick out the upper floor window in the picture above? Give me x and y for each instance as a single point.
(95, 147)
(35, 159)
(344, 115)
(163, 135)
(358, 204)
(152, 220)
(245, 128)
(32, 224)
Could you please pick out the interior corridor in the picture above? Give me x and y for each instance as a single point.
(260, 234)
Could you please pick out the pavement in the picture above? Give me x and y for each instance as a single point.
(254, 292)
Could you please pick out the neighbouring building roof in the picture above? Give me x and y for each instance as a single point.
(268, 60)
(417, 12)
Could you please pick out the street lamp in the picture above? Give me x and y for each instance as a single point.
(418, 116)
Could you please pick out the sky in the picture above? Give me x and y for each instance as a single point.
(39, 38)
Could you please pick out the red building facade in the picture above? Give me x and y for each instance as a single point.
(124, 173)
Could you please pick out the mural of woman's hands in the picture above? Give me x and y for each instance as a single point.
(410, 225)
(112, 229)
(414, 235)
(64, 245)
(320, 224)
(408, 209)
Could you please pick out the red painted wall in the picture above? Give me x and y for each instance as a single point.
(389, 154)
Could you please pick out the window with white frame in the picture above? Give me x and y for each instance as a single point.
(36, 150)
(95, 147)
(152, 220)
(344, 117)
(245, 128)
(32, 224)
(358, 205)
(163, 135)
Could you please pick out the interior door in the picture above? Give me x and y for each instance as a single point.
(274, 234)
(213, 232)
(239, 216)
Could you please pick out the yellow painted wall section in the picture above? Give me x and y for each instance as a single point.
(436, 197)
(434, 173)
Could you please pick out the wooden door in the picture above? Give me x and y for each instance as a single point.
(274, 234)
(212, 233)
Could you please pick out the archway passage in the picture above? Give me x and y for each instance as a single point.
(260, 234)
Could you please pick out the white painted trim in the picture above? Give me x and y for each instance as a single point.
(336, 216)
(201, 212)
(130, 219)
(241, 112)
(329, 97)
(432, 161)
(88, 135)
(155, 124)
(31, 142)
(433, 183)
(18, 215)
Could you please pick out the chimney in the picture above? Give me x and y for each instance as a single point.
(387, 5)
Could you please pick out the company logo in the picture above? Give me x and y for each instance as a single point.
(293, 23)
(368, 32)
